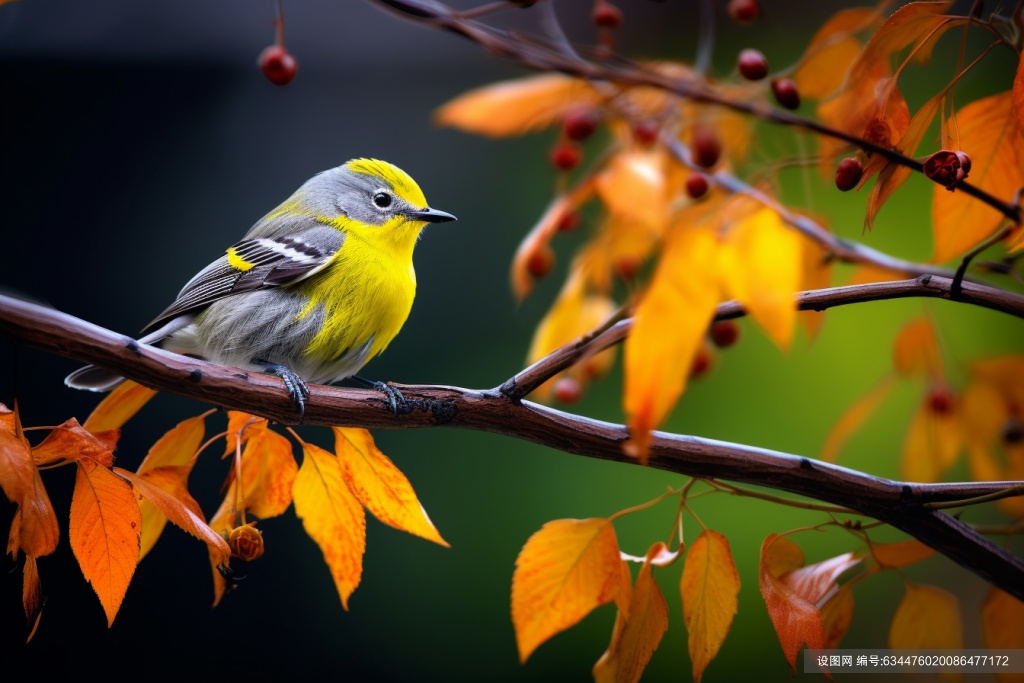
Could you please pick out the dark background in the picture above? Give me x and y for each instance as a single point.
(140, 139)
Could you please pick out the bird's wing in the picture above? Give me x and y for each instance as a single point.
(257, 263)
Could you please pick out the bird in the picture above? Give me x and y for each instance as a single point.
(315, 289)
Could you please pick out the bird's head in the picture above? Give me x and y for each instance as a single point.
(372, 198)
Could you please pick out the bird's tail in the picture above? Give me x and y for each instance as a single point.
(92, 378)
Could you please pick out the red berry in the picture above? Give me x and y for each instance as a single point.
(701, 363)
(627, 267)
(705, 147)
(848, 174)
(725, 333)
(580, 123)
(541, 262)
(744, 11)
(786, 93)
(607, 15)
(566, 157)
(569, 221)
(696, 185)
(278, 65)
(941, 400)
(646, 132)
(567, 390)
(753, 65)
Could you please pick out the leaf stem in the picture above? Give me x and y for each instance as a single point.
(644, 506)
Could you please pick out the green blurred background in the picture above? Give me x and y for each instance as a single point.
(140, 140)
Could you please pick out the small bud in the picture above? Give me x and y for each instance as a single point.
(753, 65)
(696, 185)
(705, 147)
(848, 174)
(1013, 431)
(246, 542)
(568, 390)
(607, 15)
(786, 93)
(744, 11)
(946, 168)
(541, 262)
(941, 401)
(646, 132)
(566, 157)
(580, 123)
(569, 221)
(627, 267)
(725, 333)
(278, 65)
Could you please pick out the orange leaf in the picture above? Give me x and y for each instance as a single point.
(118, 407)
(37, 532)
(814, 582)
(331, 516)
(632, 187)
(223, 521)
(932, 445)
(761, 264)
(853, 419)
(563, 572)
(236, 422)
(15, 467)
(174, 509)
(268, 473)
(31, 595)
(657, 360)
(990, 135)
(1004, 372)
(915, 353)
(104, 532)
(664, 558)
(709, 586)
(8, 420)
(902, 554)
(70, 442)
(634, 642)
(832, 50)
(517, 106)
(380, 486)
(865, 275)
(177, 446)
(1002, 626)
(927, 618)
(1018, 94)
(796, 620)
(836, 615)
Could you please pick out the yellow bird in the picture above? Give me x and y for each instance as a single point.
(317, 287)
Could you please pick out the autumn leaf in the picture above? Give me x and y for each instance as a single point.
(31, 595)
(927, 618)
(268, 472)
(657, 360)
(517, 106)
(836, 615)
(70, 442)
(632, 187)
(989, 133)
(118, 407)
(664, 557)
(635, 641)
(815, 273)
(761, 266)
(1002, 626)
(182, 515)
(331, 516)
(932, 445)
(853, 419)
(37, 531)
(563, 572)
(901, 554)
(709, 586)
(796, 620)
(380, 486)
(104, 532)
(868, 274)
(240, 422)
(831, 52)
(815, 581)
(915, 353)
(1004, 372)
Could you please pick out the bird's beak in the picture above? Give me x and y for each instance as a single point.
(429, 215)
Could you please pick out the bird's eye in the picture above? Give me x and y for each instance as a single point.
(382, 199)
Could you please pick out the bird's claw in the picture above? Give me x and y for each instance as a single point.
(394, 396)
(297, 389)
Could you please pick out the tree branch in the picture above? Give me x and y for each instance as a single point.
(536, 54)
(896, 503)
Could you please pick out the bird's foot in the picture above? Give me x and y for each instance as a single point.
(394, 397)
(297, 388)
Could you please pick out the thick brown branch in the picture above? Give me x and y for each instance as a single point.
(895, 503)
(535, 54)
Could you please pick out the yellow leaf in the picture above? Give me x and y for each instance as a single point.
(563, 572)
(104, 532)
(1004, 372)
(989, 133)
(332, 517)
(836, 615)
(240, 422)
(761, 266)
(816, 273)
(223, 521)
(928, 618)
(831, 52)
(915, 353)
(118, 407)
(902, 554)
(634, 642)
(268, 472)
(380, 486)
(1002, 627)
(517, 106)
(709, 586)
(932, 445)
(632, 187)
(173, 481)
(853, 419)
(658, 355)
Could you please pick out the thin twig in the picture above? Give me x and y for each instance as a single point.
(1009, 492)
